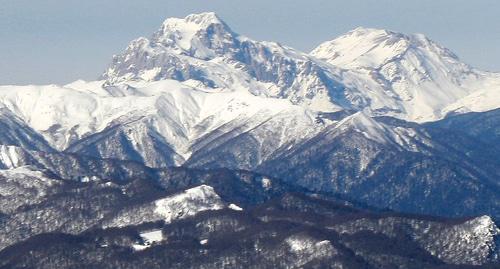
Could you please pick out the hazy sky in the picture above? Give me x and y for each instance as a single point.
(58, 41)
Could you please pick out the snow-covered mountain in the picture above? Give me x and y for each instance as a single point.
(165, 116)
(420, 79)
(382, 162)
(198, 94)
(373, 116)
(203, 50)
(386, 73)
(196, 75)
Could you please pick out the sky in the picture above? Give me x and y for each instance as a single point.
(59, 41)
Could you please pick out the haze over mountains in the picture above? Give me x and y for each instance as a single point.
(381, 119)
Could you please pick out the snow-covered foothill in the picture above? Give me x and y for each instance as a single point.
(188, 203)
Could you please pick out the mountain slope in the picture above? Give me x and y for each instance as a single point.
(382, 162)
(15, 132)
(156, 123)
(426, 80)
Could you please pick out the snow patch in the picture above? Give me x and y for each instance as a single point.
(149, 239)
(152, 236)
(188, 203)
(235, 207)
(9, 156)
(367, 126)
(266, 183)
(307, 246)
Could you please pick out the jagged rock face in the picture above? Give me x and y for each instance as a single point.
(181, 48)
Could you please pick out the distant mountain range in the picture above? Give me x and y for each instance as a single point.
(197, 122)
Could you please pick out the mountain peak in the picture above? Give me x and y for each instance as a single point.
(380, 35)
(363, 47)
(195, 35)
(367, 126)
(360, 31)
(202, 36)
(370, 48)
(193, 23)
(205, 18)
(419, 71)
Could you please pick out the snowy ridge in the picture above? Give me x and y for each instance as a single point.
(177, 113)
(365, 125)
(171, 208)
(212, 55)
(181, 34)
(405, 138)
(189, 203)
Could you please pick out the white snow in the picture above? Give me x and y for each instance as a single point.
(266, 183)
(304, 245)
(182, 31)
(235, 207)
(27, 171)
(25, 179)
(411, 75)
(362, 48)
(299, 245)
(90, 179)
(149, 238)
(379, 72)
(367, 126)
(384, 72)
(169, 208)
(188, 203)
(152, 236)
(179, 113)
(9, 156)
